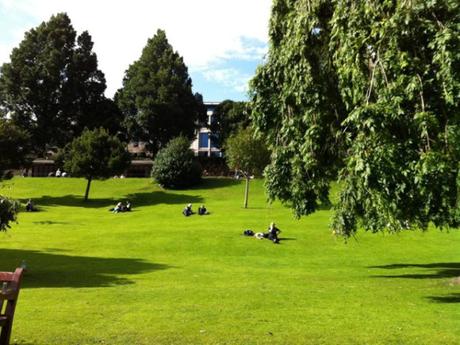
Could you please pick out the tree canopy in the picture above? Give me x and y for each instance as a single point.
(247, 154)
(367, 91)
(157, 97)
(14, 145)
(96, 155)
(229, 117)
(52, 87)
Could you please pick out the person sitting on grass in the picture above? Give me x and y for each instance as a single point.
(127, 206)
(202, 210)
(272, 233)
(30, 206)
(187, 210)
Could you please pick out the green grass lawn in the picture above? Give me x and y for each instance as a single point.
(153, 276)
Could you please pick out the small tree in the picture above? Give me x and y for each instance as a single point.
(96, 155)
(248, 155)
(175, 165)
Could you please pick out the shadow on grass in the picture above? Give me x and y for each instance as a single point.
(452, 298)
(437, 270)
(46, 270)
(136, 199)
(216, 182)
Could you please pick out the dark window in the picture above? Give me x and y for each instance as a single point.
(214, 140)
(204, 138)
(203, 153)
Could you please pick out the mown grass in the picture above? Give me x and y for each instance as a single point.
(153, 276)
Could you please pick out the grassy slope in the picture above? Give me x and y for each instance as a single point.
(155, 277)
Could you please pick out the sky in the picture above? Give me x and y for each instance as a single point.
(222, 41)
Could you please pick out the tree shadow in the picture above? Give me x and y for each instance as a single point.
(136, 199)
(161, 197)
(441, 270)
(437, 270)
(452, 298)
(216, 182)
(46, 270)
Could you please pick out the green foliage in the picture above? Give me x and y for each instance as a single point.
(229, 116)
(14, 145)
(157, 97)
(52, 87)
(96, 155)
(246, 153)
(8, 212)
(175, 165)
(372, 90)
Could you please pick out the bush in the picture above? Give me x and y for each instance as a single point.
(8, 210)
(175, 166)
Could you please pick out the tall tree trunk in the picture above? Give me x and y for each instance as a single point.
(87, 188)
(246, 193)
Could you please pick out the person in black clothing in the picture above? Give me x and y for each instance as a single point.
(273, 232)
(30, 206)
(187, 210)
(202, 210)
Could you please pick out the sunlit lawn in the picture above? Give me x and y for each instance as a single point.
(153, 276)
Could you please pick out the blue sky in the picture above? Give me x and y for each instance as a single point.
(222, 41)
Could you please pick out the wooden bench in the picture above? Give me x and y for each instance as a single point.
(10, 283)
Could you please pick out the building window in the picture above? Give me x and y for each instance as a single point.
(203, 153)
(204, 138)
(214, 141)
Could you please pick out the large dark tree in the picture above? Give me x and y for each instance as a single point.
(157, 97)
(96, 155)
(371, 88)
(229, 117)
(14, 145)
(52, 87)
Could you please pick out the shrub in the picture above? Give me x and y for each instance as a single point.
(175, 166)
(8, 211)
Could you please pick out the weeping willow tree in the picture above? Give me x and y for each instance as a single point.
(367, 92)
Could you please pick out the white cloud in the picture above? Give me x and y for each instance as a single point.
(202, 31)
(229, 77)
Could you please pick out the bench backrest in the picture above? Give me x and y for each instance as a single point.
(10, 283)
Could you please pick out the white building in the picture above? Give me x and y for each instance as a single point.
(206, 143)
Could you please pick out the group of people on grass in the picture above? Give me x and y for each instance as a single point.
(187, 211)
(121, 207)
(271, 234)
